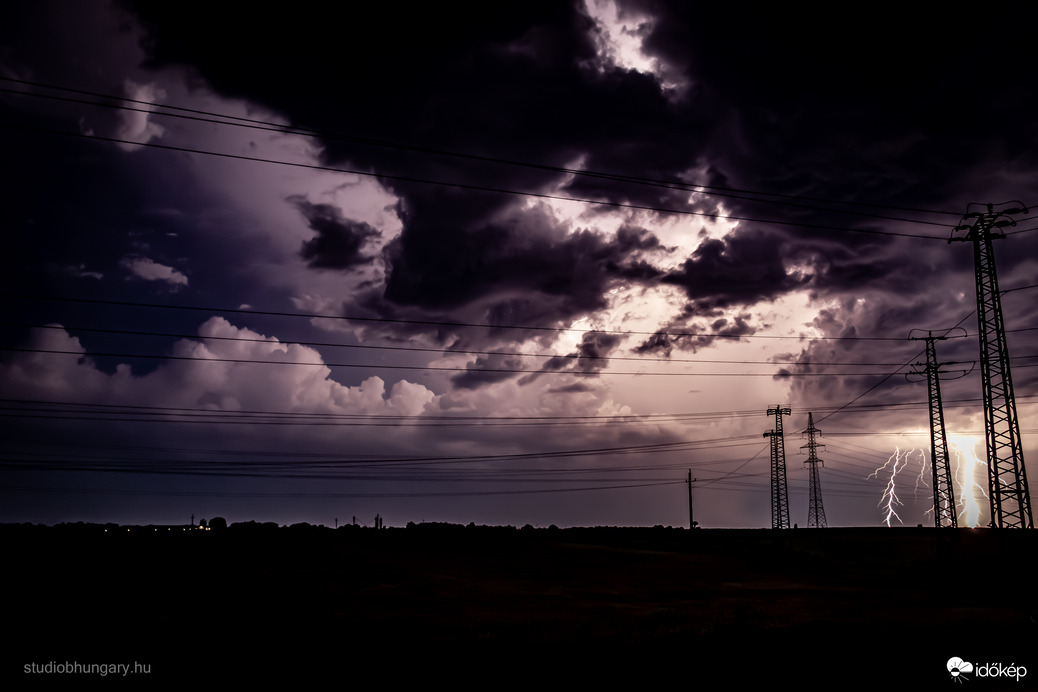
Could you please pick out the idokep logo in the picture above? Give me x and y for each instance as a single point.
(960, 670)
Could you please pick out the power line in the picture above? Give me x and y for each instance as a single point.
(433, 368)
(448, 351)
(17, 405)
(460, 493)
(222, 119)
(878, 384)
(352, 416)
(467, 186)
(654, 448)
(237, 121)
(437, 323)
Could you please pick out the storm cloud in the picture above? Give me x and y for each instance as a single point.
(339, 243)
(423, 213)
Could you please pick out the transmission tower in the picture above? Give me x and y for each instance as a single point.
(691, 522)
(815, 512)
(943, 494)
(779, 491)
(1007, 477)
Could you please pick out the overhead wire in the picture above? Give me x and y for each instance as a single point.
(466, 186)
(885, 379)
(155, 108)
(438, 323)
(422, 349)
(431, 368)
(462, 351)
(457, 493)
(100, 410)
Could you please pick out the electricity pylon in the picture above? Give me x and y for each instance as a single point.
(815, 512)
(779, 490)
(691, 522)
(1007, 476)
(943, 494)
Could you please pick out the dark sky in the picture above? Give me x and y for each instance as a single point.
(520, 265)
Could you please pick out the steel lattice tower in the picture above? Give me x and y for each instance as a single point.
(1007, 477)
(815, 512)
(779, 490)
(943, 494)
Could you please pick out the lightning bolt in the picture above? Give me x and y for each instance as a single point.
(969, 467)
(970, 473)
(924, 471)
(896, 463)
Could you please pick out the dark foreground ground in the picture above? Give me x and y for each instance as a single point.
(360, 608)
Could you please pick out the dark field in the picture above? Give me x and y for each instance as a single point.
(838, 608)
